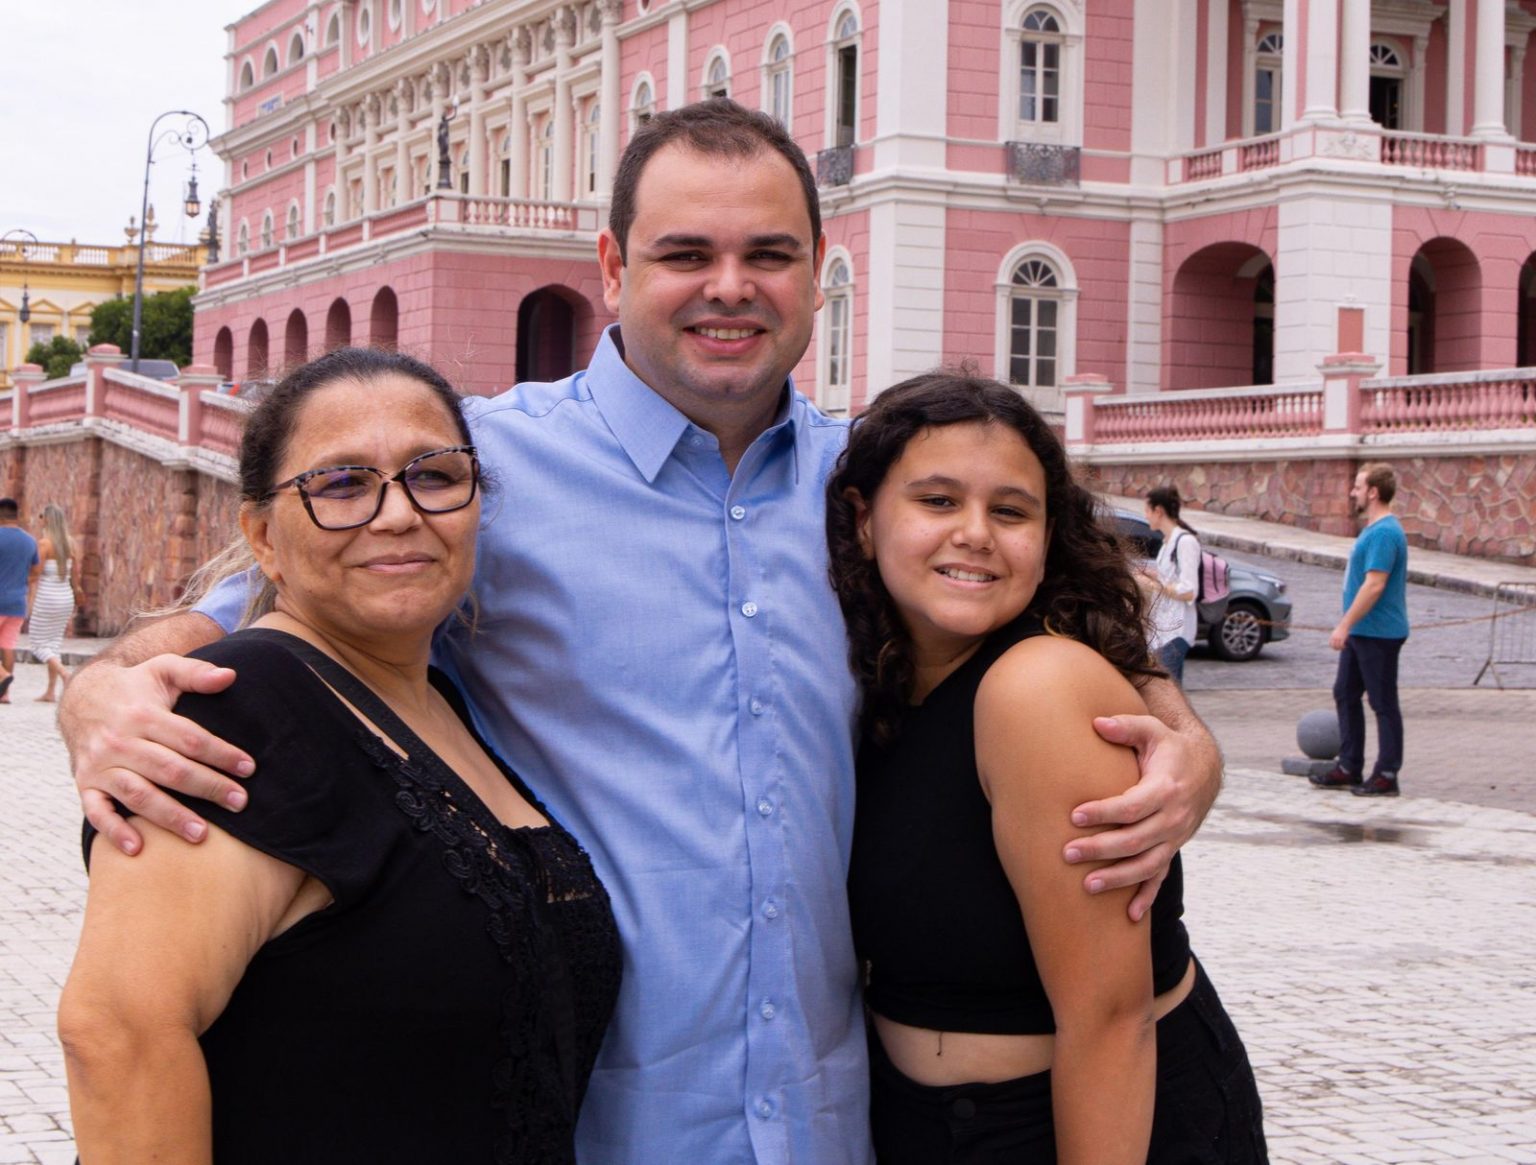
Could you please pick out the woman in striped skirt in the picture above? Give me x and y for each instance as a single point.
(53, 598)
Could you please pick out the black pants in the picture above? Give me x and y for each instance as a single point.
(1207, 1112)
(1368, 666)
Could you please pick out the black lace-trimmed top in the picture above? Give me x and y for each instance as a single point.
(449, 1004)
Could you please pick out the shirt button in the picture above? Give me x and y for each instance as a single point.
(749, 609)
(770, 909)
(767, 1009)
(763, 1107)
(738, 512)
(757, 707)
(764, 806)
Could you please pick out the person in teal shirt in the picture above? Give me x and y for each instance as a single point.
(18, 572)
(1369, 638)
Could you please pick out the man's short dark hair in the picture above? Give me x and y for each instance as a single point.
(1380, 478)
(9, 508)
(718, 127)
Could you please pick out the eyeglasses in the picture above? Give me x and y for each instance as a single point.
(343, 497)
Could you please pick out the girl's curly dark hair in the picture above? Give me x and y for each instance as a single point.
(1088, 593)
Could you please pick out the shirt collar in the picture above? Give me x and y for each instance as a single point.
(646, 425)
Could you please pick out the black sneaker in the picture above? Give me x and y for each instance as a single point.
(1336, 778)
(1380, 785)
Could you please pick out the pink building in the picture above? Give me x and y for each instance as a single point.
(1167, 194)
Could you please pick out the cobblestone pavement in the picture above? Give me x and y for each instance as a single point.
(1379, 957)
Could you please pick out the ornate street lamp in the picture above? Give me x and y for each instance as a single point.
(25, 313)
(191, 137)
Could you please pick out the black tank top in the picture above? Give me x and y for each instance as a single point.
(935, 921)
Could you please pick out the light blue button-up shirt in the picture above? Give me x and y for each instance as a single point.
(658, 652)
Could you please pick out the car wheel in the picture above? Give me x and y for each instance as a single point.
(1240, 634)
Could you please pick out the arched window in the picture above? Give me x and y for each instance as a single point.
(504, 164)
(642, 106)
(776, 80)
(364, 24)
(269, 63)
(717, 75)
(243, 238)
(843, 108)
(590, 135)
(1266, 83)
(247, 76)
(1036, 333)
(1040, 68)
(333, 30)
(396, 13)
(296, 48)
(836, 347)
(1388, 73)
(546, 172)
(291, 228)
(266, 230)
(330, 207)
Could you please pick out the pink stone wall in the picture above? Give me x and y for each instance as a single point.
(1484, 506)
(977, 241)
(1108, 96)
(975, 49)
(1234, 68)
(1477, 259)
(457, 310)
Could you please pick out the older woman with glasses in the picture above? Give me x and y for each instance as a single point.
(393, 953)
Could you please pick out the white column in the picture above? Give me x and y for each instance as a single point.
(370, 161)
(517, 171)
(677, 59)
(1488, 89)
(1416, 74)
(1516, 86)
(911, 84)
(565, 128)
(404, 180)
(1216, 36)
(1183, 31)
(1144, 306)
(609, 99)
(1322, 51)
(1456, 68)
(1355, 62)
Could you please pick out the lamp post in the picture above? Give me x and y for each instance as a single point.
(25, 313)
(191, 137)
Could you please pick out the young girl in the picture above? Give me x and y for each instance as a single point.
(1173, 582)
(991, 618)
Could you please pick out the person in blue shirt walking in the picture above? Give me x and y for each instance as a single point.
(660, 654)
(1369, 638)
(19, 569)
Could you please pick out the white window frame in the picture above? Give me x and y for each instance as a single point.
(717, 73)
(591, 139)
(1065, 293)
(836, 43)
(1263, 24)
(641, 111)
(833, 398)
(295, 48)
(247, 74)
(293, 225)
(779, 75)
(271, 62)
(543, 171)
(1067, 129)
(243, 239)
(328, 214)
(395, 13)
(333, 29)
(1398, 71)
(364, 25)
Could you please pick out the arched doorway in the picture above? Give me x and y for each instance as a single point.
(1525, 341)
(1444, 309)
(295, 340)
(224, 354)
(338, 325)
(256, 351)
(1221, 319)
(546, 335)
(384, 320)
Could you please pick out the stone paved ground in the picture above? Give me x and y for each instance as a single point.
(1378, 956)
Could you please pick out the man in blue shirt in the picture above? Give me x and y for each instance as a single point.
(1369, 638)
(658, 651)
(19, 569)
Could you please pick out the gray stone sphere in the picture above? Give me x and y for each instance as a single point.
(1318, 734)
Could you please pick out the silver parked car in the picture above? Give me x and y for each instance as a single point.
(1237, 627)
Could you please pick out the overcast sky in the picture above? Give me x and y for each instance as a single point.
(81, 81)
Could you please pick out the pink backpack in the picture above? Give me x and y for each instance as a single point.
(1214, 575)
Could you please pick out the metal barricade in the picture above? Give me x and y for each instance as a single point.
(1512, 631)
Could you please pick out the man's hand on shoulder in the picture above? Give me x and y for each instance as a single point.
(1180, 777)
(125, 743)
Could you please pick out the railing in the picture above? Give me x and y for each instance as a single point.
(1236, 157)
(223, 422)
(81, 254)
(834, 166)
(1039, 164)
(141, 403)
(1222, 414)
(1525, 161)
(1430, 151)
(441, 210)
(1259, 154)
(56, 401)
(1458, 401)
(1198, 167)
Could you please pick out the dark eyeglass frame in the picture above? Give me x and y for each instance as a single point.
(300, 480)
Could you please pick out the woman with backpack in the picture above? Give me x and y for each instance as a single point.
(1172, 583)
